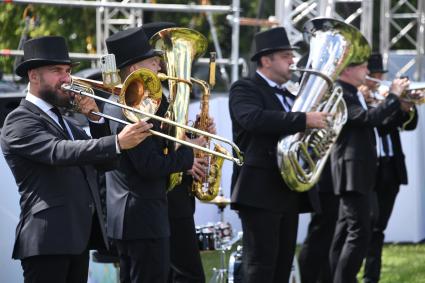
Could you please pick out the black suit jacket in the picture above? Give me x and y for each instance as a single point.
(181, 202)
(258, 121)
(56, 182)
(137, 189)
(354, 158)
(398, 120)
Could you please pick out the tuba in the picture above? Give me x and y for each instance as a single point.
(333, 46)
(181, 47)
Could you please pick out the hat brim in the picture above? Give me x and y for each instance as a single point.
(266, 51)
(25, 66)
(151, 53)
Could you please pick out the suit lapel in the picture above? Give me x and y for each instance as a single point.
(36, 110)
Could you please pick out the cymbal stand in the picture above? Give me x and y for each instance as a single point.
(220, 274)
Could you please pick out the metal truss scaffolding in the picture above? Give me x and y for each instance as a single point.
(112, 15)
(292, 13)
(401, 20)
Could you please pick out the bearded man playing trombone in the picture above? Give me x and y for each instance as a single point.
(53, 162)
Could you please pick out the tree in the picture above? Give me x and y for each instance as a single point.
(77, 25)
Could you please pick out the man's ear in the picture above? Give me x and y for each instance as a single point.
(133, 68)
(265, 61)
(33, 75)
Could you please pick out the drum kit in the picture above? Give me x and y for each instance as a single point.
(219, 236)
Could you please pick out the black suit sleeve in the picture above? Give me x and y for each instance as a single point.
(98, 130)
(248, 109)
(29, 136)
(373, 117)
(400, 119)
(150, 162)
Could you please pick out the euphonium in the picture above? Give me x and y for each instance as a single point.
(181, 47)
(333, 46)
(208, 188)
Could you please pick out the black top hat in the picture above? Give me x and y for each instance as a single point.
(270, 41)
(130, 46)
(151, 28)
(43, 51)
(375, 64)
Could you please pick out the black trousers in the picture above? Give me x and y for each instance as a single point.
(314, 254)
(386, 192)
(56, 268)
(144, 260)
(351, 238)
(269, 240)
(186, 264)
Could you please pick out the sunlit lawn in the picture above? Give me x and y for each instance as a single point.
(401, 263)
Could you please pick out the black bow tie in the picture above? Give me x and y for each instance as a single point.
(280, 91)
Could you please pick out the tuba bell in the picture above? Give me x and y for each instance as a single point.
(333, 46)
(181, 47)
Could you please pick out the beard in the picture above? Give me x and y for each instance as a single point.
(53, 96)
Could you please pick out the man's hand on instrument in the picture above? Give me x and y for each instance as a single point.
(211, 126)
(198, 170)
(399, 86)
(318, 120)
(133, 134)
(86, 105)
(201, 141)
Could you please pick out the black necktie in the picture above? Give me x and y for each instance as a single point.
(61, 121)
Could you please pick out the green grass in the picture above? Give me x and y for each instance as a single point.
(400, 263)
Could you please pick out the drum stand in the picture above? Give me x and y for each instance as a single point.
(220, 274)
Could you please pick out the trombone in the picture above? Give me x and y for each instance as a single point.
(84, 87)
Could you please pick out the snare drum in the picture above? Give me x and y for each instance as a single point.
(206, 237)
(223, 231)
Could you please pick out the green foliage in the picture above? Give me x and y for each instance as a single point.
(77, 25)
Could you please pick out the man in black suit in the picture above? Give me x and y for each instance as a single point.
(52, 162)
(185, 259)
(354, 166)
(137, 209)
(391, 169)
(261, 113)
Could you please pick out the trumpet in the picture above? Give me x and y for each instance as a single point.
(148, 95)
(408, 95)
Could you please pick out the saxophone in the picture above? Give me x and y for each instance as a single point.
(208, 188)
